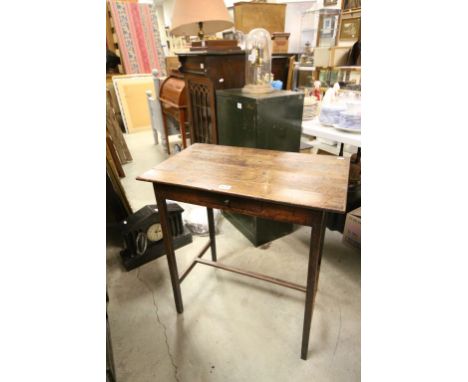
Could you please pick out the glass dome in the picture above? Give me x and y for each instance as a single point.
(258, 75)
(240, 37)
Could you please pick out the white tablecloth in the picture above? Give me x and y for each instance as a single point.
(315, 128)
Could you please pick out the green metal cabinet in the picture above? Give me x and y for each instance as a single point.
(265, 121)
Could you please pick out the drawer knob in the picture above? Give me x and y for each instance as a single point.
(226, 202)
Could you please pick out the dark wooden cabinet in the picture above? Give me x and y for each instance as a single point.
(207, 72)
(264, 121)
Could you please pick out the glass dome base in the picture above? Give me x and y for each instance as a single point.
(258, 89)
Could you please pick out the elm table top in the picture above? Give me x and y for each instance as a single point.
(302, 180)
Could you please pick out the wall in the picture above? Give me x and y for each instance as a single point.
(168, 6)
(292, 22)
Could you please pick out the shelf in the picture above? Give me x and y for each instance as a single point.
(352, 10)
(344, 67)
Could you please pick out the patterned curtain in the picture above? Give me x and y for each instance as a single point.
(136, 26)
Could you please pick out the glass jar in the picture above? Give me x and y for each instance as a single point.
(258, 47)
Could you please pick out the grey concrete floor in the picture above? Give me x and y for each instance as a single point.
(233, 328)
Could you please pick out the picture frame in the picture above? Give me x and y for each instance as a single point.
(326, 27)
(350, 29)
(350, 4)
(328, 3)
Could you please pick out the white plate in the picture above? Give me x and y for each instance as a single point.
(346, 129)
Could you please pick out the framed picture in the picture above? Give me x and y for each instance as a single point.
(351, 4)
(327, 3)
(350, 29)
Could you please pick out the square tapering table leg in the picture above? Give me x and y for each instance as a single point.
(315, 254)
(169, 246)
(211, 227)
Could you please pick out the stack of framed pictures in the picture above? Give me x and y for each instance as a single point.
(320, 26)
(350, 25)
(350, 29)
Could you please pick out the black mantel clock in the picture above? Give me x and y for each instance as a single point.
(143, 235)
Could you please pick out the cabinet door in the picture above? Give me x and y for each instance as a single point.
(201, 109)
(236, 121)
(279, 123)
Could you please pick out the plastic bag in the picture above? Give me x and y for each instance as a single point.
(196, 219)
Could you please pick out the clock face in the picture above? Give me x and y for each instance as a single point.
(154, 232)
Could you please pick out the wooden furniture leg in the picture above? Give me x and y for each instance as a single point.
(316, 245)
(168, 245)
(324, 224)
(166, 133)
(211, 227)
(182, 128)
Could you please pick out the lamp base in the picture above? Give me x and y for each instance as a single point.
(214, 45)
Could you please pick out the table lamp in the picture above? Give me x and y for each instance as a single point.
(200, 17)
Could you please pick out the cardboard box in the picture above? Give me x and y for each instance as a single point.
(352, 229)
(280, 42)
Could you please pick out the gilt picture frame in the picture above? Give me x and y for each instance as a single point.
(351, 4)
(350, 29)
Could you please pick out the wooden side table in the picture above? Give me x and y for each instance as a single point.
(291, 187)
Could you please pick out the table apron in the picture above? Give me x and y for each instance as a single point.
(242, 205)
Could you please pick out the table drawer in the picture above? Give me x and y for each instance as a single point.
(247, 206)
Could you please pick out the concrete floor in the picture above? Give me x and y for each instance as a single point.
(233, 328)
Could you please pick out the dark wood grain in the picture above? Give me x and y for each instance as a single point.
(241, 205)
(303, 180)
(292, 187)
(313, 268)
(169, 247)
(255, 275)
(207, 72)
(212, 231)
(173, 99)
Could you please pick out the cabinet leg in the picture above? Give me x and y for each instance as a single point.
(166, 132)
(182, 128)
(315, 254)
(169, 247)
(211, 227)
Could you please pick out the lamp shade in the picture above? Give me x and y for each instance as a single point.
(188, 13)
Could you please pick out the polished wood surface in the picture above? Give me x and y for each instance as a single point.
(303, 180)
(173, 99)
(239, 204)
(172, 92)
(291, 187)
